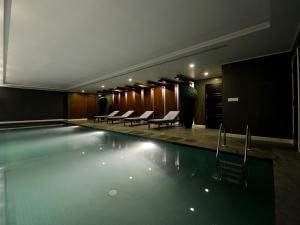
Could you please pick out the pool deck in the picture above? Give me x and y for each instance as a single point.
(286, 161)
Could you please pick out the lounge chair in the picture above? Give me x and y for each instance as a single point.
(125, 115)
(144, 117)
(114, 113)
(170, 118)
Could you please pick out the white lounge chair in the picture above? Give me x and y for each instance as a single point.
(125, 115)
(114, 113)
(170, 118)
(144, 117)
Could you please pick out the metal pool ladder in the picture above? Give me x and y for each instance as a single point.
(232, 171)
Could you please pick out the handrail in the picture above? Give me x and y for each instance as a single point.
(247, 143)
(221, 131)
(249, 139)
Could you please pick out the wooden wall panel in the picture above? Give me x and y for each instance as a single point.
(139, 109)
(131, 100)
(92, 106)
(122, 105)
(170, 98)
(77, 105)
(116, 102)
(158, 102)
(82, 106)
(147, 100)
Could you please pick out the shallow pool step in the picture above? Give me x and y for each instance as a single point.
(231, 168)
(237, 175)
(230, 163)
(231, 172)
(233, 180)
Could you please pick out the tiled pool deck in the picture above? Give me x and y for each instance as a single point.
(286, 161)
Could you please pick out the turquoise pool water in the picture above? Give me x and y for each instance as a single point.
(70, 175)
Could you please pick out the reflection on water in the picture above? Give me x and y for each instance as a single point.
(68, 175)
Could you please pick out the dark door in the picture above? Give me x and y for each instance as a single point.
(295, 84)
(213, 105)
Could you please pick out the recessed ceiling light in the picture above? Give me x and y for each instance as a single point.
(130, 79)
(192, 65)
(206, 73)
(82, 91)
(102, 86)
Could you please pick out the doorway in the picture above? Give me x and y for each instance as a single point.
(213, 105)
(295, 93)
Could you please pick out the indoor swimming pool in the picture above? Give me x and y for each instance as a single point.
(72, 175)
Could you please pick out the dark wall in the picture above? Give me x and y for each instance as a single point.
(263, 86)
(25, 104)
(297, 42)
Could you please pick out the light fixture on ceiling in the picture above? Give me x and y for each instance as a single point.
(82, 90)
(206, 73)
(102, 86)
(192, 65)
(130, 79)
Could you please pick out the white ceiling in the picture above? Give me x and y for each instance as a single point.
(76, 44)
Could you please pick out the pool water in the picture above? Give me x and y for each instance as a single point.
(70, 175)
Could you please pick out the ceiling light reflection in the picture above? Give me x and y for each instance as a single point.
(147, 145)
